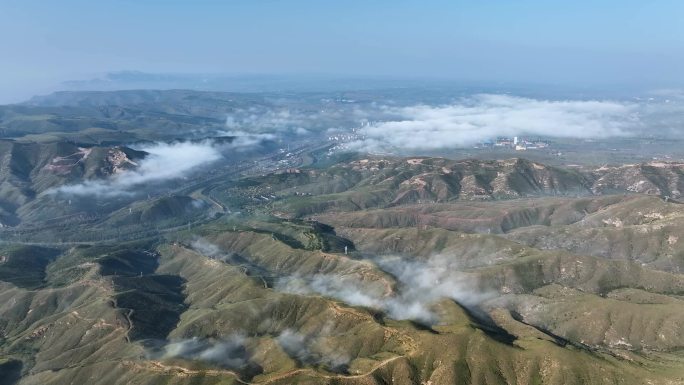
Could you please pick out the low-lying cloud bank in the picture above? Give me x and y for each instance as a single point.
(237, 351)
(285, 121)
(484, 117)
(313, 350)
(269, 121)
(212, 251)
(229, 353)
(420, 285)
(164, 162)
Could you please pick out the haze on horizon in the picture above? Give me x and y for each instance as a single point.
(614, 43)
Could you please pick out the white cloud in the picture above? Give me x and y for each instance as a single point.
(269, 121)
(164, 162)
(313, 349)
(285, 121)
(483, 117)
(246, 139)
(421, 284)
(228, 353)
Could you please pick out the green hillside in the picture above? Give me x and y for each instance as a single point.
(368, 271)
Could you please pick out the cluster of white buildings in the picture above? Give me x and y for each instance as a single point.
(516, 143)
(349, 136)
(343, 137)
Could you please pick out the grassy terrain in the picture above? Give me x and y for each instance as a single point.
(113, 302)
(371, 271)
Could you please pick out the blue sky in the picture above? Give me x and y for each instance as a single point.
(607, 42)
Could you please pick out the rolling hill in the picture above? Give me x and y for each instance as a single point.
(370, 271)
